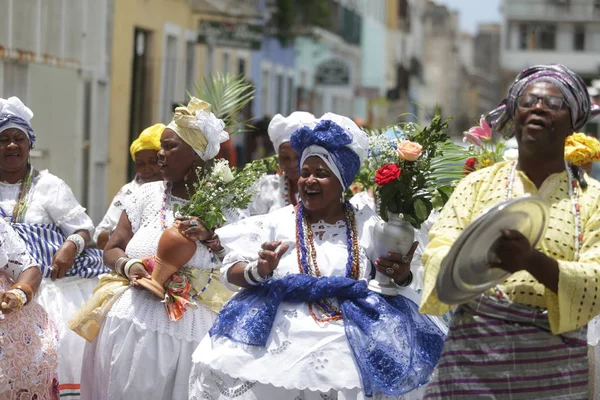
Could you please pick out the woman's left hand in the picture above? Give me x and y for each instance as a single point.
(193, 228)
(514, 252)
(62, 261)
(396, 265)
(8, 302)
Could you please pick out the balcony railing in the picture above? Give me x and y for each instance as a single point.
(552, 10)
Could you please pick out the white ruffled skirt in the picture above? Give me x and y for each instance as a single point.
(140, 354)
(61, 298)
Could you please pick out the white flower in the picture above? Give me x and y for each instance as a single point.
(222, 171)
(511, 155)
(213, 129)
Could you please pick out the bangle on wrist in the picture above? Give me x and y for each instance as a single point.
(256, 276)
(407, 281)
(120, 265)
(130, 263)
(247, 269)
(78, 241)
(21, 297)
(26, 289)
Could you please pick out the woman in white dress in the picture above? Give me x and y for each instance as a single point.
(305, 326)
(57, 232)
(28, 338)
(140, 353)
(143, 151)
(281, 189)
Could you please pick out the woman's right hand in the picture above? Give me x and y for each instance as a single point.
(137, 271)
(269, 256)
(8, 302)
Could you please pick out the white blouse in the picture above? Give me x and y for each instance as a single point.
(270, 195)
(300, 353)
(49, 201)
(111, 218)
(14, 257)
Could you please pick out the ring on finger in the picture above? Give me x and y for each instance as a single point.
(261, 253)
(396, 266)
(405, 260)
(53, 267)
(194, 223)
(389, 271)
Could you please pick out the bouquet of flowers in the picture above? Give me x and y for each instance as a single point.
(222, 187)
(485, 152)
(415, 172)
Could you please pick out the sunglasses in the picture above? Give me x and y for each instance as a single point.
(552, 103)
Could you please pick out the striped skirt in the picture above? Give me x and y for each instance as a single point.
(501, 350)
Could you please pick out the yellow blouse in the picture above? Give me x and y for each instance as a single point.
(577, 300)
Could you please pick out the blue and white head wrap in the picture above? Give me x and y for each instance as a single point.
(15, 114)
(570, 84)
(338, 141)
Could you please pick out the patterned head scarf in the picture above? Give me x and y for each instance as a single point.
(281, 128)
(149, 139)
(568, 82)
(199, 128)
(338, 141)
(15, 114)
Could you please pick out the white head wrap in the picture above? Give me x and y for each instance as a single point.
(281, 128)
(15, 114)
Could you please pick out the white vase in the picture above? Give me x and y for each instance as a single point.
(396, 236)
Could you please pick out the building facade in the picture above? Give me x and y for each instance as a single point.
(54, 56)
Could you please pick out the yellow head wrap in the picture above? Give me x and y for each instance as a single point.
(149, 139)
(581, 149)
(199, 128)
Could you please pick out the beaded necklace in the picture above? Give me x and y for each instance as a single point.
(308, 265)
(573, 195)
(163, 224)
(21, 205)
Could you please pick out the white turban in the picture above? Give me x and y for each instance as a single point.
(281, 128)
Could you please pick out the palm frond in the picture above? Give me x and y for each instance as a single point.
(449, 164)
(227, 94)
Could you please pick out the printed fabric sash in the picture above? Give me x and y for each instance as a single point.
(43, 240)
(394, 346)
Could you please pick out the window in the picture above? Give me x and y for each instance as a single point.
(170, 77)
(225, 63)
(279, 104)
(537, 36)
(290, 94)
(190, 62)
(241, 67)
(579, 38)
(264, 92)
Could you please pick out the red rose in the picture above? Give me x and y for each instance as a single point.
(386, 174)
(469, 165)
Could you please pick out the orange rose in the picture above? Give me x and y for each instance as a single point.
(357, 187)
(409, 151)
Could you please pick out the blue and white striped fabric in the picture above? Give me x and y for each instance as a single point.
(43, 240)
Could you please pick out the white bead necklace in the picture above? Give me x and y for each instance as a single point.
(573, 195)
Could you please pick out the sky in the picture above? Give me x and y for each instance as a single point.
(473, 12)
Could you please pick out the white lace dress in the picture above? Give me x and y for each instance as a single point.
(51, 201)
(303, 359)
(140, 353)
(111, 218)
(270, 195)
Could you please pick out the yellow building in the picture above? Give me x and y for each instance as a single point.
(156, 60)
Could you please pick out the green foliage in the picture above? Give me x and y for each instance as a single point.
(291, 18)
(424, 184)
(222, 188)
(227, 94)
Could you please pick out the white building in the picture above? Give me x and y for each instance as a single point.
(53, 55)
(551, 31)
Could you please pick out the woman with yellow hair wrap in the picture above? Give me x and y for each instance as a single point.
(144, 152)
(138, 349)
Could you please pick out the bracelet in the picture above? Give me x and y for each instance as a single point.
(247, 269)
(256, 275)
(129, 264)
(78, 241)
(25, 288)
(21, 297)
(407, 281)
(120, 264)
